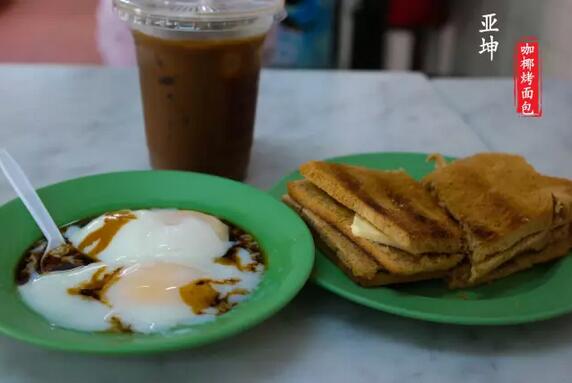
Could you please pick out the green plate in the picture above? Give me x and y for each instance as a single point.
(540, 293)
(283, 237)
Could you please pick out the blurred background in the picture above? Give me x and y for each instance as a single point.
(437, 37)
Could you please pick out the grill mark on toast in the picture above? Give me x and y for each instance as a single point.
(503, 206)
(352, 184)
(481, 232)
(430, 187)
(498, 202)
(435, 229)
(501, 203)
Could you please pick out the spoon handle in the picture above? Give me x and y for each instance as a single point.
(31, 200)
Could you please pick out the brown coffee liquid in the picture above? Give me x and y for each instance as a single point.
(199, 101)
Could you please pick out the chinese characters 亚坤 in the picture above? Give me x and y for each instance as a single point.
(489, 45)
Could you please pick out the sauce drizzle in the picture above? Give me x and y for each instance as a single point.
(103, 236)
(231, 258)
(96, 287)
(201, 295)
(116, 325)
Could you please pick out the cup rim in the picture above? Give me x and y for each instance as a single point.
(178, 16)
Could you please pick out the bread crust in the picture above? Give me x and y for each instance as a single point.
(460, 277)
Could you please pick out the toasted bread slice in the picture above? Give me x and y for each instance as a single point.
(351, 259)
(496, 197)
(393, 202)
(459, 278)
(533, 242)
(394, 260)
(554, 245)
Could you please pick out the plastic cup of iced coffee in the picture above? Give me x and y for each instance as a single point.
(199, 64)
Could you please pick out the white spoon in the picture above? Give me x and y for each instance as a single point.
(31, 200)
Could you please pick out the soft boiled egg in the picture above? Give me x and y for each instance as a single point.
(153, 270)
(178, 236)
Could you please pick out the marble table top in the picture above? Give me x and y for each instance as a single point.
(63, 122)
(486, 105)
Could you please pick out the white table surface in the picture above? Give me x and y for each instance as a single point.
(63, 122)
(486, 105)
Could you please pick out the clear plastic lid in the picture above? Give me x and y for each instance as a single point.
(198, 15)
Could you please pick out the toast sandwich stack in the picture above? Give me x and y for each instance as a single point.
(380, 227)
(470, 221)
(512, 216)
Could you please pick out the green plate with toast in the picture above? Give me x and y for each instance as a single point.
(539, 293)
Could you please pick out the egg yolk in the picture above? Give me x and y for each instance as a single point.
(156, 284)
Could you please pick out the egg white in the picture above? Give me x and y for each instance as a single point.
(167, 235)
(48, 295)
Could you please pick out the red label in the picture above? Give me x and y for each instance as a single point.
(527, 78)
